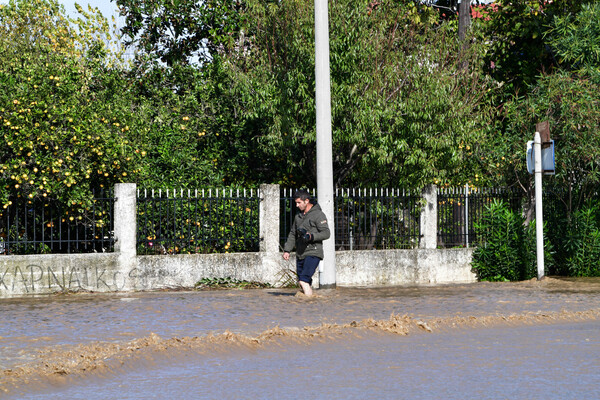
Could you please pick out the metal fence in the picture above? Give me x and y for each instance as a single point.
(199, 221)
(43, 227)
(367, 219)
(227, 220)
(459, 209)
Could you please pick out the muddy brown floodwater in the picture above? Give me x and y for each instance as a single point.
(484, 340)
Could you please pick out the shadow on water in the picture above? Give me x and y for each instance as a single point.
(288, 294)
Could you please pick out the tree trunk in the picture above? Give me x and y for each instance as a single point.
(464, 18)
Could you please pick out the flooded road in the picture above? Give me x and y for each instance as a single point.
(487, 340)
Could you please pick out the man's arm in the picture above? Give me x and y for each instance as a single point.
(290, 243)
(322, 228)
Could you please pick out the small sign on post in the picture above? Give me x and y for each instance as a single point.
(548, 161)
(547, 145)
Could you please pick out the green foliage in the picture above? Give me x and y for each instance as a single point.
(515, 29)
(179, 32)
(581, 244)
(43, 23)
(504, 252)
(73, 120)
(65, 127)
(183, 147)
(575, 39)
(406, 96)
(570, 103)
(228, 283)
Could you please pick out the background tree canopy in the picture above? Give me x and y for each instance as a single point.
(222, 93)
(406, 96)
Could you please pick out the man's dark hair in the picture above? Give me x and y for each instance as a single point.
(303, 194)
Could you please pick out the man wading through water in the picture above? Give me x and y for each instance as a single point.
(307, 234)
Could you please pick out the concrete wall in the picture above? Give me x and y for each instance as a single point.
(126, 271)
(45, 274)
(404, 267)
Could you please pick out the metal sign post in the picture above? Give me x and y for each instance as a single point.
(539, 215)
(540, 160)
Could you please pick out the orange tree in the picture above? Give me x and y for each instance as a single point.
(75, 117)
(66, 124)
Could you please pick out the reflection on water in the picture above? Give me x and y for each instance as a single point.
(548, 328)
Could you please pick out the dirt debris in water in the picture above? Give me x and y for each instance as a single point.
(60, 364)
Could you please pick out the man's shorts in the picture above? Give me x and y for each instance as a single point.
(306, 268)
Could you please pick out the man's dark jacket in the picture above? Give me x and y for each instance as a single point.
(315, 223)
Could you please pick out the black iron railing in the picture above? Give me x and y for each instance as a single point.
(377, 219)
(198, 221)
(459, 209)
(227, 220)
(367, 219)
(38, 226)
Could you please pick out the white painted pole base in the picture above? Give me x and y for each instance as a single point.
(539, 215)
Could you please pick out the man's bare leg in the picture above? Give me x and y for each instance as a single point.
(306, 288)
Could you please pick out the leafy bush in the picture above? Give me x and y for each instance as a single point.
(582, 242)
(500, 256)
(228, 283)
(508, 247)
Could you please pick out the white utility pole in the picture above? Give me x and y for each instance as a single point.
(539, 216)
(324, 147)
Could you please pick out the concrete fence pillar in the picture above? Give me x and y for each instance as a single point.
(125, 218)
(269, 218)
(125, 223)
(429, 218)
(269, 232)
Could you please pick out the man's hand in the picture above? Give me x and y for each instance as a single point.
(305, 235)
(286, 255)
